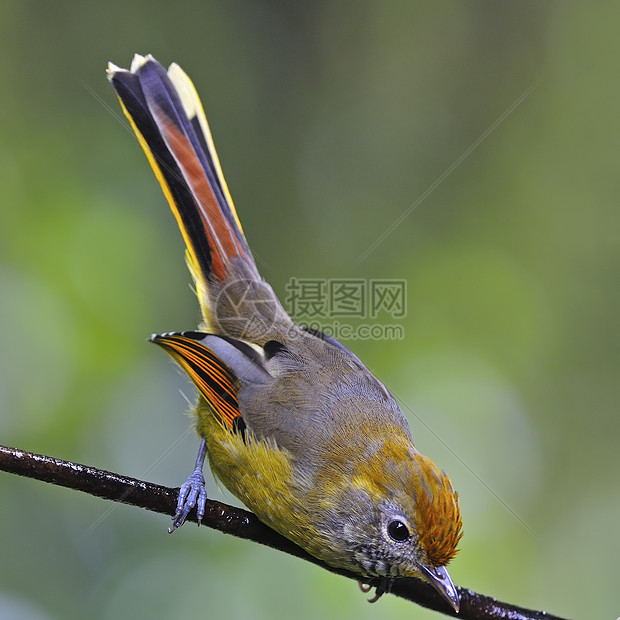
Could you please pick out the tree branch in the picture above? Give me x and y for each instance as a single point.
(237, 522)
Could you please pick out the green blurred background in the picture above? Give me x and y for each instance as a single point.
(331, 119)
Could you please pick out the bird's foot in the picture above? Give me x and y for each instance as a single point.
(192, 494)
(383, 587)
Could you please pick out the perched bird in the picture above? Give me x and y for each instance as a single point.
(291, 421)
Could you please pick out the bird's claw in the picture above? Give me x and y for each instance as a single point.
(383, 587)
(192, 494)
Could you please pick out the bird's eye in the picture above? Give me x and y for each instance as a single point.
(398, 531)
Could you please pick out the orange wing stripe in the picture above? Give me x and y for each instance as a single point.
(210, 375)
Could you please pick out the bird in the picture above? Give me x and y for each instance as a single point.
(291, 421)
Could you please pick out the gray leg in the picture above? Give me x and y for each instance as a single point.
(192, 493)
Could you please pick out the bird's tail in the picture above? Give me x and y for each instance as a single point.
(168, 118)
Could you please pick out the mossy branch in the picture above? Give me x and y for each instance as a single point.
(237, 522)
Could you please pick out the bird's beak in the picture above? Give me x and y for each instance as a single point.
(440, 580)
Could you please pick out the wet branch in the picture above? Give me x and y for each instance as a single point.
(237, 522)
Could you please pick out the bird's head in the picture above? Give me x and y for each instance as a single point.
(403, 518)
